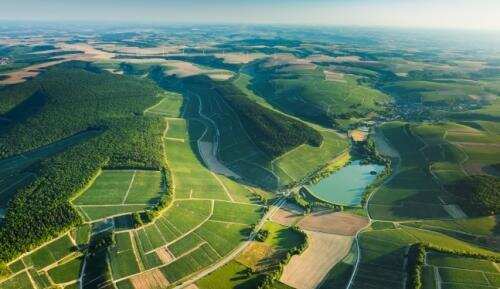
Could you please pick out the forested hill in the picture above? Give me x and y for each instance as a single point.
(76, 99)
(272, 132)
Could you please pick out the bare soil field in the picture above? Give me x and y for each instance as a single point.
(239, 58)
(334, 76)
(287, 215)
(333, 223)
(141, 51)
(476, 168)
(358, 135)
(164, 255)
(150, 279)
(306, 271)
(89, 54)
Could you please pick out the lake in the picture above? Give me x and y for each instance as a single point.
(347, 185)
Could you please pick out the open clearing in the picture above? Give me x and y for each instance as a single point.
(333, 223)
(307, 270)
(117, 192)
(288, 215)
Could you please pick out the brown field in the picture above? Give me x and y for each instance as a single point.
(358, 135)
(164, 255)
(306, 271)
(148, 51)
(89, 54)
(256, 256)
(150, 280)
(239, 58)
(288, 215)
(191, 286)
(333, 223)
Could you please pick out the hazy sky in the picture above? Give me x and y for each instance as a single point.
(474, 14)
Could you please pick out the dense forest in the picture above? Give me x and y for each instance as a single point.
(480, 194)
(273, 132)
(75, 100)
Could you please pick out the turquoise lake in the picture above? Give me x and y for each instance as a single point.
(346, 186)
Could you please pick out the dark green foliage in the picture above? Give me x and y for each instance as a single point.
(416, 261)
(262, 235)
(480, 194)
(76, 100)
(100, 242)
(272, 132)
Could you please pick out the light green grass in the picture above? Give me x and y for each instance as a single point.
(170, 106)
(109, 188)
(66, 272)
(223, 237)
(301, 161)
(122, 259)
(447, 260)
(96, 212)
(237, 213)
(146, 188)
(50, 253)
(232, 275)
(19, 281)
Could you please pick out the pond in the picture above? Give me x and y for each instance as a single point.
(346, 186)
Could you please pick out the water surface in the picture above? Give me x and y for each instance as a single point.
(346, 186)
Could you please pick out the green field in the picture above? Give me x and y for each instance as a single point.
(67, 272)
(305, 92)
(169, 106)
(461, 272)
(231, 275)
(117, 192)
(122, 258)
(50, 253)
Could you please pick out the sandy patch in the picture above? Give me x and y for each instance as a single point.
(182, 68)
(288, 215)
(27, 72)
(257, 256)
(334, 76)
(208, 156)
(239, 58)
(164, 254)
(350, 58)
(307, 270)
(334, 223)
(220, 76)
(358, 135)
(150, 280)
(320, 58)
(89, 52)
(191, 286)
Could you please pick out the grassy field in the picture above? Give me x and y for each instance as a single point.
(122, 258)
(169, 106)
(67, 272)
(117, 192)
(306, 92)
(232, 275)
(50, 253)
(383, 256)
(461, 272)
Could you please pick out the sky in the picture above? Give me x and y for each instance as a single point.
(454, 14)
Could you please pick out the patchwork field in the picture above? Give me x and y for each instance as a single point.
(449, 271)
(117, 192)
